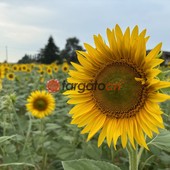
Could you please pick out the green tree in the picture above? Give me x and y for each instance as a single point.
(69, 52)
(49, 53)
(26, 59)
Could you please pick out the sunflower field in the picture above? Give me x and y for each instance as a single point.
(41, 125)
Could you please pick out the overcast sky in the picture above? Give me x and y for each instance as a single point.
(25, 25)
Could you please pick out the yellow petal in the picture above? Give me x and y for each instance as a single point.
(82, 108)
(78, 100)
(140, 52)
(110, 128)
(153, 53)
(130, 131)
(151, 107)
(84, 119)
(97, 125)
(158, 97)
(95, 54)
(152, 73)
(143, 125)
(134, 34)
(160, 85)
(139, 135)
(102, 47)
(91, 59)
(143, 33)
(124, 133)
(79, 75)
(153, 63)
(102, 133)
(118, 32)
(117, 133)
(112, 43)
(126, 44)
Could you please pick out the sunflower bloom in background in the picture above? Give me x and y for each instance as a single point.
(65, 67)
(49, 70)
(15, 67)
(10, 76)
(128, 106)
(23, 67)
(55, 68)
(40, 104)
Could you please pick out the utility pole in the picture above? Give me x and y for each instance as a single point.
(6, 47)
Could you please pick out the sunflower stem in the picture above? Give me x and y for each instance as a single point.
(133, 161)
(140, 153)
(17, 117)
(42, 144)
(112, 154)
(28, 133)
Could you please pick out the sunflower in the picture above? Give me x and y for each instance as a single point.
(19, 68)
(32, 65)
(6, 68)
(41, 70)
(29, 69)
(41, 79)
(49, 70)
(10, 76)
(24, 67)
(120, 97)
(15, 67)
(40, 103)
(65, 67)
(56, 68)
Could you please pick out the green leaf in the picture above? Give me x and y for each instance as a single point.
(17, 164)
(161, 141)
(66, 153)
(164, 157)
(85, 164)
(52, 126)
(92, 151)
(4, 138)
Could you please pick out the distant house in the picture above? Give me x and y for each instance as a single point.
(166, 57)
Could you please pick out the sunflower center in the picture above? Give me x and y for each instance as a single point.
(122, 96)
(40, 104)
(11, 76)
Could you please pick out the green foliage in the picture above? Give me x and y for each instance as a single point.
(85, 164)
(161, 141)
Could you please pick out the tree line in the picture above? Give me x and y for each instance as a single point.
(51, 53)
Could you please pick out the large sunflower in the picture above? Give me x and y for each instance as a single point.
(40, 103)
(120, 96)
